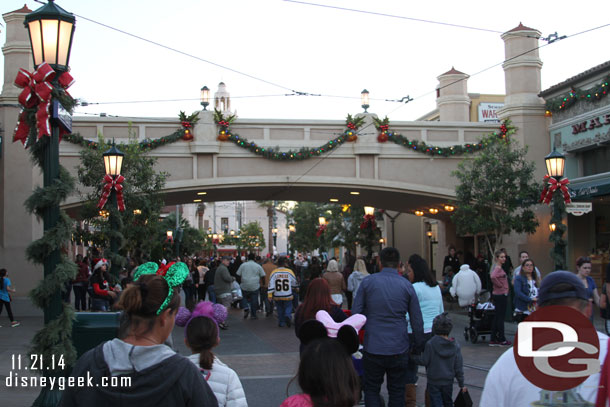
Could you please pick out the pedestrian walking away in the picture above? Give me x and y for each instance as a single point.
(5, 297)
(251, 274)
(499, 281)
(385, 298)
(281, 285)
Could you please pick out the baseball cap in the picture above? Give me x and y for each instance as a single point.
(574, 287)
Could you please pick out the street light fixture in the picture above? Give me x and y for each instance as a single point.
(113, 162)
(364, 98)
(292, 228)
(51, 29)
(322, 221)
(555, 164)
(205, 97)
(369, 210)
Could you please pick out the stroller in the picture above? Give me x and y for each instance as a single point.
(481, 314)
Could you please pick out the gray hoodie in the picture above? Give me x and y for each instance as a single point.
(159, 377)
(443, 360)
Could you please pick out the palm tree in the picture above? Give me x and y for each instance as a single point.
(270, 207)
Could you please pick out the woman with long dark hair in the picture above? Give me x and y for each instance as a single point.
(431, 304)
(526, 290)
(317, 298)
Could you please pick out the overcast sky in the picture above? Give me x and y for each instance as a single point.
(319, 50)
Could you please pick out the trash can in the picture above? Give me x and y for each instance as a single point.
(92, 328)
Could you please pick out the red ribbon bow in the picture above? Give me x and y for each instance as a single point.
(162, 270)
(111, 183)
(368, 220)
(551, 185)
(384, 127)
(321, 230)
(37, 91)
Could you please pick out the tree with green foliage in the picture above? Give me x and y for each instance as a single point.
(305, 219)
(251, 237)
(141, 193)
(191, 240)
(496, 193)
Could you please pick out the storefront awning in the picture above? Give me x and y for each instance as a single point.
(586, 189)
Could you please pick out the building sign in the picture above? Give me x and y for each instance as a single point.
(579, 208)
(589, 124)
(488, 112)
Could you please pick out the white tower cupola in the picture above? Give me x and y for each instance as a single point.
(222, 100)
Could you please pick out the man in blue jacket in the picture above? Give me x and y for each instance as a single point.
(385, 298)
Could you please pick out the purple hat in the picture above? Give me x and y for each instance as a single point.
(216, 312)
(574, 288)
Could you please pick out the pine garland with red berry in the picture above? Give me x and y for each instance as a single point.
(574, 96)
(385, 134)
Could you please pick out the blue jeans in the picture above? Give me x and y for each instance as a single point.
(211, 294)
(98, 304)
(250, 301)
(266, 301)
(284, 311)
(377, 366)
(440, 396)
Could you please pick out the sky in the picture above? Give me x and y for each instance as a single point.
(265, 49)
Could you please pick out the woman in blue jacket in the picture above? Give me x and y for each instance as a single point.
(526, 291)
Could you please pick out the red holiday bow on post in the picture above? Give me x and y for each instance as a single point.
(368, 220)
(321, 230)
(111, 183)
(37, 91)
(551, 185)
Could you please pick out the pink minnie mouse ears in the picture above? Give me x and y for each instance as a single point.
(216, 312)
(356, 321)
(323, 326)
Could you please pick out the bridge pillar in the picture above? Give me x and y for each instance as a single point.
(526, 110)
(18, 176)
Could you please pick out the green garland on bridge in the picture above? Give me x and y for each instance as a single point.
(185, 133)
(385, 134)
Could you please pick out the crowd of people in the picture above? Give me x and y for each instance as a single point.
(376, 321)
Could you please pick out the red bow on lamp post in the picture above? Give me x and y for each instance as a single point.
(369, 221)
(116, 184)
(551, 185)
(321, 230)
(37, 91)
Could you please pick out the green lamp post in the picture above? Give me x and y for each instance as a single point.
(555, 165)
(113, 162)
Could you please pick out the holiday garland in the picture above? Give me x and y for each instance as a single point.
(184, 133)
(574, 96)
(303, 153)
(55, 338)
(383, 126)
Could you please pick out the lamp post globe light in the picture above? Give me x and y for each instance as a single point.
(555, 165)
(364, 99)
(205, 97)
(113, 163)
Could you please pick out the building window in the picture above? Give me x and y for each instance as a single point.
(224, 224)
(596, 161)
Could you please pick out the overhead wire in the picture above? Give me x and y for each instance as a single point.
(421, 20)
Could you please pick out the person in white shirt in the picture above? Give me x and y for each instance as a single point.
(506, 386)
(466, 284)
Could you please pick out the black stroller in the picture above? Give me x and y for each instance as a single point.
(481, 314)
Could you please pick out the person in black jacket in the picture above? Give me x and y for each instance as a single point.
(452, 260)
(138, 369)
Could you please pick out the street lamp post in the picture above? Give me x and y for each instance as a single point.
(113, 162)
(555, 165)
(205, 97)
(51, 30)
(364, 99)
(274, 231)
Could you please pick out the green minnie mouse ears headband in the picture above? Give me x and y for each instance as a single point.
(173, 273)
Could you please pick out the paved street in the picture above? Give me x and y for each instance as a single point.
(264, 356)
